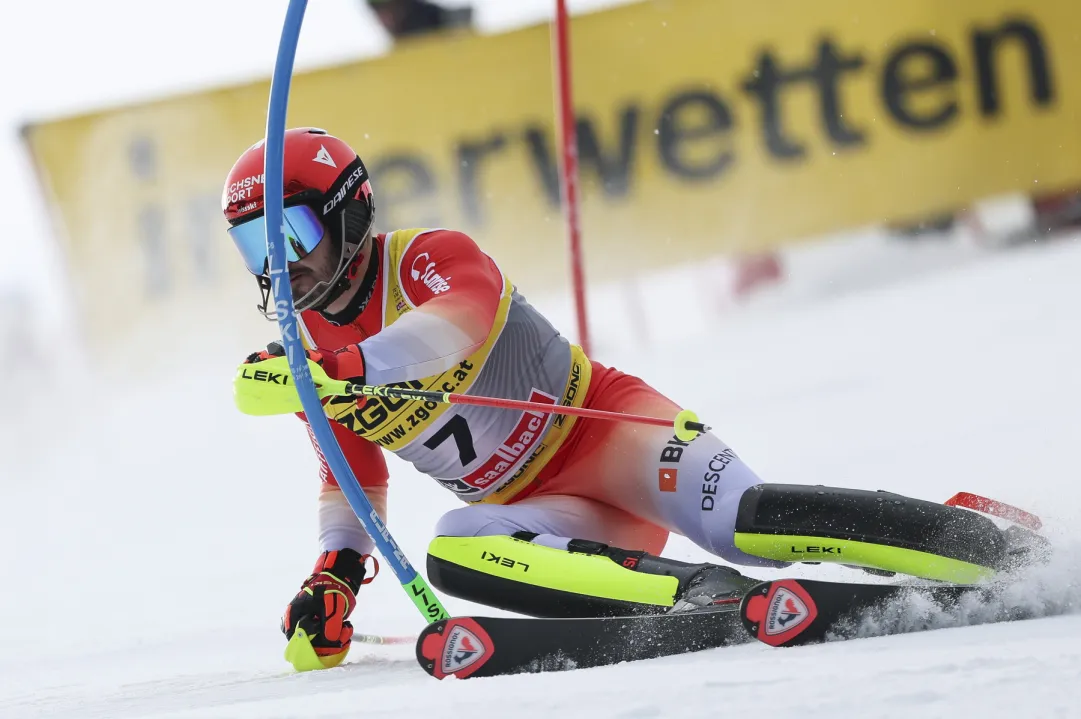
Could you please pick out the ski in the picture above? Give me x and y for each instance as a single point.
(790, 612)
(466, 647)
(780, 613)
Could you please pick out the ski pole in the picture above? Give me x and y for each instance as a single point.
(381, 639)
(416, 588)
(266, 391)
(686, 424)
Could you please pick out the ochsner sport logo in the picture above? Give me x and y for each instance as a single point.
(431, 279)
(786, 612)
(246, 189)
(461, 649)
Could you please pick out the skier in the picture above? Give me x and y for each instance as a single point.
(564, 516)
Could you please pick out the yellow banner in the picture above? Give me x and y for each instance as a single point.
(706, 126)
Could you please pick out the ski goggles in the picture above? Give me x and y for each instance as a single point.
(303, 232)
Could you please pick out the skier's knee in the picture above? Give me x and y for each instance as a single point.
(722, 539)
(475, 521)
(730, 553)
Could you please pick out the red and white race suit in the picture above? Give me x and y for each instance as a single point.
(443, 317)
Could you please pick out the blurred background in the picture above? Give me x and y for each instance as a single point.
(709, 135)
(742, 165)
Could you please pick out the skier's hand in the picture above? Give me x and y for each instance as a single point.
(263, 384)
(345, 364)
(275, 350)
(322, 607)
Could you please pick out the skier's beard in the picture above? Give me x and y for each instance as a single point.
(318, 266)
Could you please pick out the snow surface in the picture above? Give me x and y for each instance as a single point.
(152, 535)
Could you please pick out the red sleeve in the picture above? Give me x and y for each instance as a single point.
(455, 289)
(364, 458)
(448, 274)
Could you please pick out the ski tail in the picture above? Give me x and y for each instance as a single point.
(466, 647)
(458, 647)
(780, 613)
(790, 612)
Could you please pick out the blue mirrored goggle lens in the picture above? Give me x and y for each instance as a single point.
(303, 232)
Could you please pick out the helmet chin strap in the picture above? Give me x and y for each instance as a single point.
(362, 289)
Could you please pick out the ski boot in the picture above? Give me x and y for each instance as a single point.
(712, 586)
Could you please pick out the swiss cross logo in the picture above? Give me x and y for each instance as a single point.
(461, 649)
(667, 479)
(786, 611)
(323, 157)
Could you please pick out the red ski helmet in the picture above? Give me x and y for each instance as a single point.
(328, 196)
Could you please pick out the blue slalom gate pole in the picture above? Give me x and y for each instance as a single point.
(274, 167)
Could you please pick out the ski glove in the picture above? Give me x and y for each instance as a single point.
(344, 364)
(325, 600)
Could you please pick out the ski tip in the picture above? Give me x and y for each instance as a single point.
(454, 647)
(778, 613)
